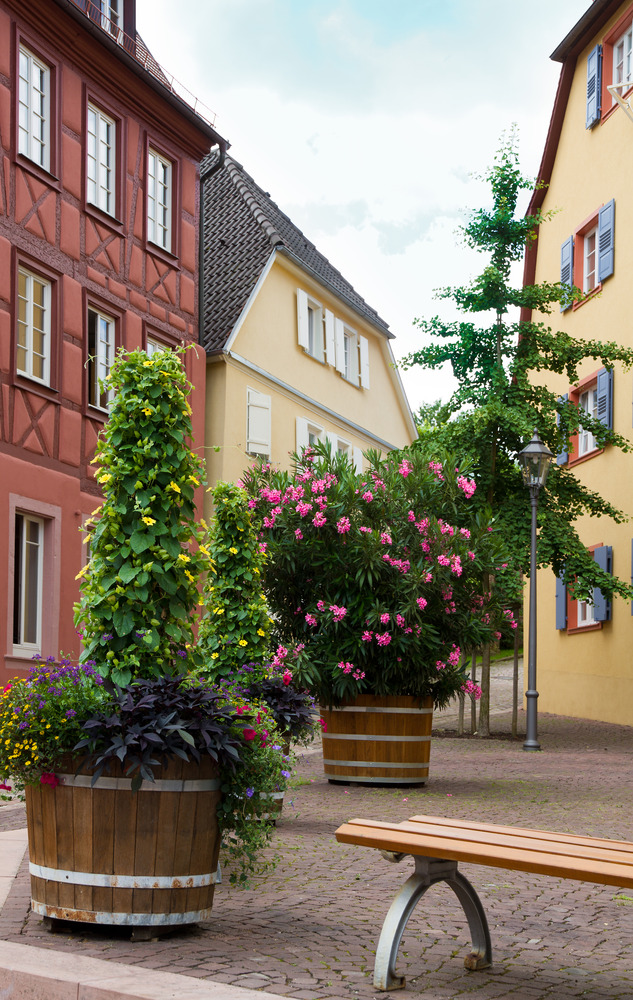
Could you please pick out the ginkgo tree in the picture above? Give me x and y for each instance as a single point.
(502, 365)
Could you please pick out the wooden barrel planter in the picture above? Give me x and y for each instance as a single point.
(378, 740)
(107, 855)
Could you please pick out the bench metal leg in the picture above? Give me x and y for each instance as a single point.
(428, 871)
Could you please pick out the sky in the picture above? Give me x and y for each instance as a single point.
(370, 123)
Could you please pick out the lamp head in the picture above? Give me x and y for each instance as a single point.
(535, 461)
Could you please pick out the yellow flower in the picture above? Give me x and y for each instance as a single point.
(190, 576)
(183, 558)
(242, 642)
(82, 572)
(214, 656)
(205, 551)
(260, 631)
(147, 364)
(192, 479)
(146, 410)
(148, 520)
(174, 486)
(218, 611)
(104, 478)
(233, 550)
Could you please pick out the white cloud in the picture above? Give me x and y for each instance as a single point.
(366, 121)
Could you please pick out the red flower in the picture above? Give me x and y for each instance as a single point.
(323, 724)
(287, 677)
(5, 788)
(249, 734)
(49, 779)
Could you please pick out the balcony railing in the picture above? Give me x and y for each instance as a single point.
(136, 48)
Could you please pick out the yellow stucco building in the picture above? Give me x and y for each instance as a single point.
(294, 354)
(585, 659)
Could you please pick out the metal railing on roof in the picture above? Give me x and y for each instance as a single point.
(136, 48)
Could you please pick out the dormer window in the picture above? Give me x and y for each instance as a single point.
(111, 15)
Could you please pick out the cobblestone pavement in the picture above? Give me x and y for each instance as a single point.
(309, 928)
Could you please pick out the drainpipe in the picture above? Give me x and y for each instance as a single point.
(223, 146)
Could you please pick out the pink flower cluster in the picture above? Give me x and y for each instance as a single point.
(338, 613)
(405, 468)
(472, 689)
(467, 485)
(385, 538)
(403, 565)
(343, 525)
(383, 639)
(348, 668)
(436, 469)
(319, 520)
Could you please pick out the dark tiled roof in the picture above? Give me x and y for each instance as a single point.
(242, 226)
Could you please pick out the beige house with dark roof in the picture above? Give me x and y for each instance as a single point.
(294, 354)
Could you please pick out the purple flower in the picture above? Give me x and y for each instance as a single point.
(286, 774)
(249, 793)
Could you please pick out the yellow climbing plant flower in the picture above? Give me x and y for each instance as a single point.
(81, 572)
(104, 477)
(174, 486)
(183, 558)
(233, 550)
(242, 642)
(148, 520)
(146, 410)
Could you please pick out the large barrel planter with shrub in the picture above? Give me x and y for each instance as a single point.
(378, 740)
(104, 854)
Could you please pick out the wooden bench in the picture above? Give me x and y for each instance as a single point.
(437, 845)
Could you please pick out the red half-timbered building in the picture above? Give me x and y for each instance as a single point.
(99, 211)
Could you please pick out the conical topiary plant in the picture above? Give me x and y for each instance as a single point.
(236, 626)
(139, 592)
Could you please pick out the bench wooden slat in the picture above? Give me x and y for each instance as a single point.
(564, 838)
(524, 843)
(394, 838)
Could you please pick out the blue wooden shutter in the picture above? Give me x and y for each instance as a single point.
(567, 270)
(604, 386)
(606, 240)
(561, 603)
(601, 605)
(594, 86)
(563, 455)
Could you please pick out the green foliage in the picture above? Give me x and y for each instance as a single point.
(235, 629)
(376, 578)
(140, 588)
(497, 402)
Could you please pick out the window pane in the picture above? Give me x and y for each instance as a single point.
(27, 611)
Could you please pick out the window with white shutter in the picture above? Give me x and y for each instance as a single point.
(258, 424)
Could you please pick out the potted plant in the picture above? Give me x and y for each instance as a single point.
(123, 807)
(234, 638)
(378, 577)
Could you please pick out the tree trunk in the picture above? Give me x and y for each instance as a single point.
(473, 703)
(484, 703)
(515, 684)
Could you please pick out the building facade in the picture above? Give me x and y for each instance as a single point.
(99, 217)
(295, 354)
(584, 662)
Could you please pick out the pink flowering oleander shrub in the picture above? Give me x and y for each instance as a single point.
(385, 587)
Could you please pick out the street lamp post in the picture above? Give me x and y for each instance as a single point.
(535, 461)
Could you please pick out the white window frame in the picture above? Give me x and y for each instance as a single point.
(34, 108)
(22, 590)
(28, 331)
(101, 160)
(155, 346)
(307, 433)
(587, 401)
(311, 325)
(590, 260)
(258, 423)
(111, 16)
(101, 350)
(159, 199)
(623, 59)
(585, 613)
